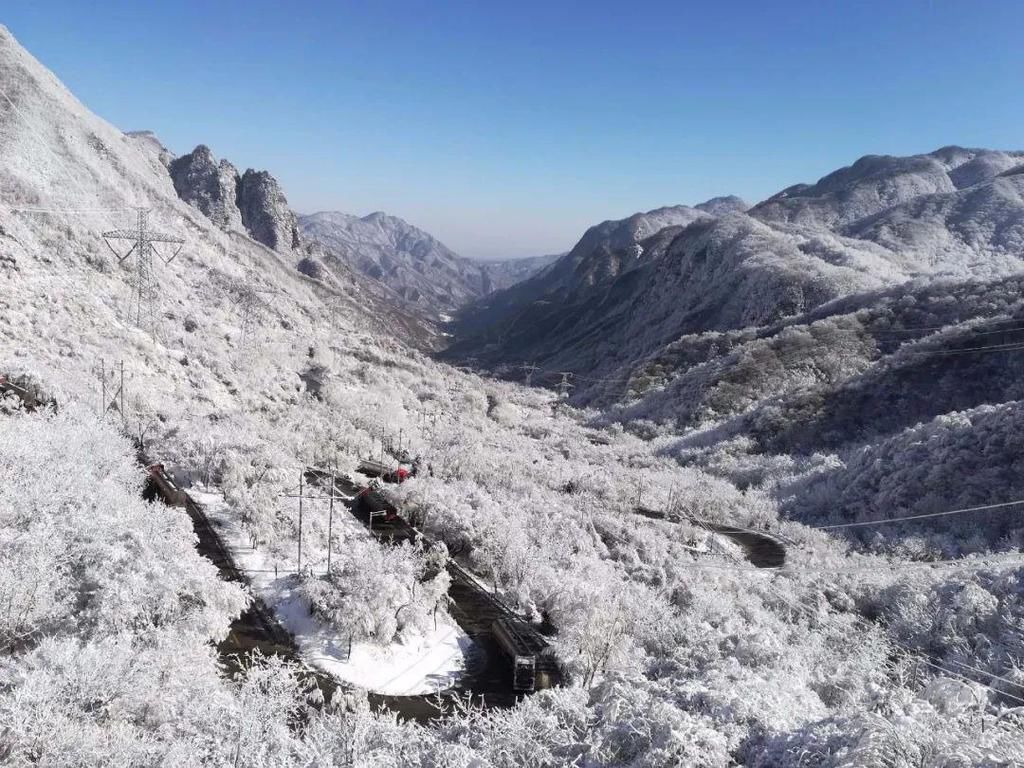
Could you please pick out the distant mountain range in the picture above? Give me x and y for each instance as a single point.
(418, 269)
(633, 286)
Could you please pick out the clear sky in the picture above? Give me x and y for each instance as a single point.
(506, 128)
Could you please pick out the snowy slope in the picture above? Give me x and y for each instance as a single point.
(723, 273)
(504, 273)
(977, 230)
(605, 251)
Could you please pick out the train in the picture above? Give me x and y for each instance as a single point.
(375, 501)
(159, 484)
(386, 472)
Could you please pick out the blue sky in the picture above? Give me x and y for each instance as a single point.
(507, 128)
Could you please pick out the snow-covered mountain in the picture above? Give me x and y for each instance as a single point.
(876, 183)
(252, 202)
(504, 273)
(409, 262)
(396, 262)
(417, 268)
(618, 297)
(800, 410)
(605, 251)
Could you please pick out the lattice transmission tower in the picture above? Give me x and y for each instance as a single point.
(143, 307)
(530, 369)
(251, 304)
(565, 386)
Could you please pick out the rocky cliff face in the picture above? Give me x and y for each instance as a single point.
(210, 186)
(413, 270)
(265, 212)
(253, 202)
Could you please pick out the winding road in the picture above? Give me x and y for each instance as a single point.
(762, 549)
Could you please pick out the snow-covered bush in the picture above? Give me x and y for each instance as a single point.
(377, 592)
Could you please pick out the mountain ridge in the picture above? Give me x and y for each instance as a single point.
(880, 221)
(417, 268)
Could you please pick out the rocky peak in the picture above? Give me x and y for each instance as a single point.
(265, 212)
(207, 185)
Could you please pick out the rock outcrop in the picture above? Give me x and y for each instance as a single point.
(265, 212)
(209, 186)
(253, 202)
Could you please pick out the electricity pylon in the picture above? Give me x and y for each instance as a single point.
(143, 240)
(250, 305)
(564, 386)
(530, 370)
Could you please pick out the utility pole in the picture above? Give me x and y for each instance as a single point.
(337, 306)
(330, 517)
(143, 245)
(302, 495)
(117, 399)
(299, 569)
(639, 490)
(250, 305)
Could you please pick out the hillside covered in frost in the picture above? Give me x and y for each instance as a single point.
(774, 377)
(631, 287)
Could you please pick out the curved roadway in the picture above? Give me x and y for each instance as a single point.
(762, 549)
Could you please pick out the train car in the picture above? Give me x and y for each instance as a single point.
(389, 474)
(533, 662)
(159, 483)
(375, 501)
(26, 394)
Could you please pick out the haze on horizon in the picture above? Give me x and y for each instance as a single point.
(506, 132)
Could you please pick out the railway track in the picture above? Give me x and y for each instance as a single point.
(500, 632)
(256, 628)
(488, 679)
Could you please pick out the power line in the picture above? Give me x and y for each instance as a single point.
(828, 621)
(1006, 347)
(795, 570)
(962, 562)
(42, 142)
(66, 210)
(951, 324)
(918, 517)
(564, 386)
(530, 370)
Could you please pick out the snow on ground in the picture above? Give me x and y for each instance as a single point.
(420, 665)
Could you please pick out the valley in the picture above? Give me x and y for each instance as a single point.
(723, 484)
